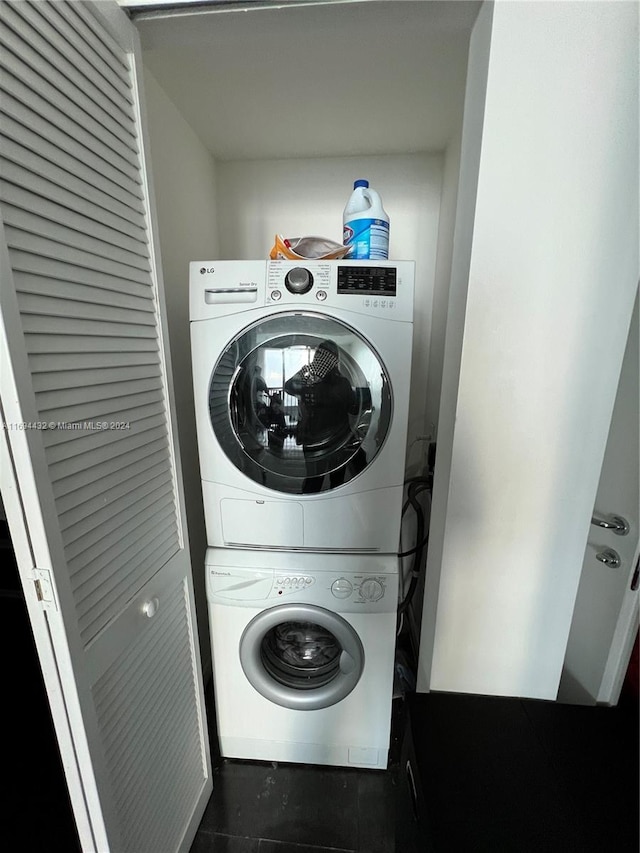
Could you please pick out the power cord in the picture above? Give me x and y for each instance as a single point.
(415, 486)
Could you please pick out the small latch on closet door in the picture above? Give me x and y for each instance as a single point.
(44, 589)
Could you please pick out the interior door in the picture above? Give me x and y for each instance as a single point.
(605, 619)
(90, 474)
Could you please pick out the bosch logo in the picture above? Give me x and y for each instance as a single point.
(204, 270)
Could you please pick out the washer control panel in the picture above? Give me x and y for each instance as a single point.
(283, 584)
(361, 589)
(355, 589)
(335, 589)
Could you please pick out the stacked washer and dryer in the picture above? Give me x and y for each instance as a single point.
(301, 378)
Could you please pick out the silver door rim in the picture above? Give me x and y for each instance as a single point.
(234, 449)
(351, 658)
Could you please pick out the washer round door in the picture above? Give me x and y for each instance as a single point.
(301, 656)
(300, 402)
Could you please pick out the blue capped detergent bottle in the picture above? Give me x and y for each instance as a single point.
(366, 224)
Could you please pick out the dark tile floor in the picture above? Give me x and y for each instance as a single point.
(298, 809)
(522, 776)
(490, 776)
(262, 807)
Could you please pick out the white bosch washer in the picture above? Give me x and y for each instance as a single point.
(301, 380)
(303, 655)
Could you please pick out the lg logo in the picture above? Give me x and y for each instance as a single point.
(204, 270)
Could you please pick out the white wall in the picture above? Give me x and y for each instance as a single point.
(184, 180)
(552, 277)
(258, 199)
(444, 260)
(468, 155)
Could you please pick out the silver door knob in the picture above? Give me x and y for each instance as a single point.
(609, 557)
(150, 608)
(616, 523)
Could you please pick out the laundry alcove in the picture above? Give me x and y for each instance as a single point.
(489, 131)
(261, 119)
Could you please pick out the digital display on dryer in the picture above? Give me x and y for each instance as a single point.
(367, 281)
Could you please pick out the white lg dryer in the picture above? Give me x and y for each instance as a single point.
(303, 654)
(301, 378)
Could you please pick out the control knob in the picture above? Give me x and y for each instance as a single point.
(298, 280)
(341, 588)
(371, 589)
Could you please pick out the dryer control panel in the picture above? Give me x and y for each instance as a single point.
(384, 288)
(376, 288)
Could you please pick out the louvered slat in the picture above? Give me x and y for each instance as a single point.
(112, 705)
(92, 32)
(112, 390)
(41, 184)
(40, 363)
(75, 292)
(91, 583)
(99, 410)
(100, 458)
(167, 751)
(123, 760)
(73, 55)
(25, 90)
(66, 231)
(48, 65)
(37, 324)
(94, 474)
(59, 270)
(81, 501)
(61, 207)
(39, 344)
(64, 442)
(57, 149)
(56, 251)
(46, 304)
(114, 510)
(94, 510)
(98, 541)
(66, 379)
(62, 26)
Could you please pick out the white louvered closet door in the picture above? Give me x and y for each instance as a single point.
(90, 471)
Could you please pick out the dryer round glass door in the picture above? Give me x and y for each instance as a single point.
(300, 403)
(301, 656)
